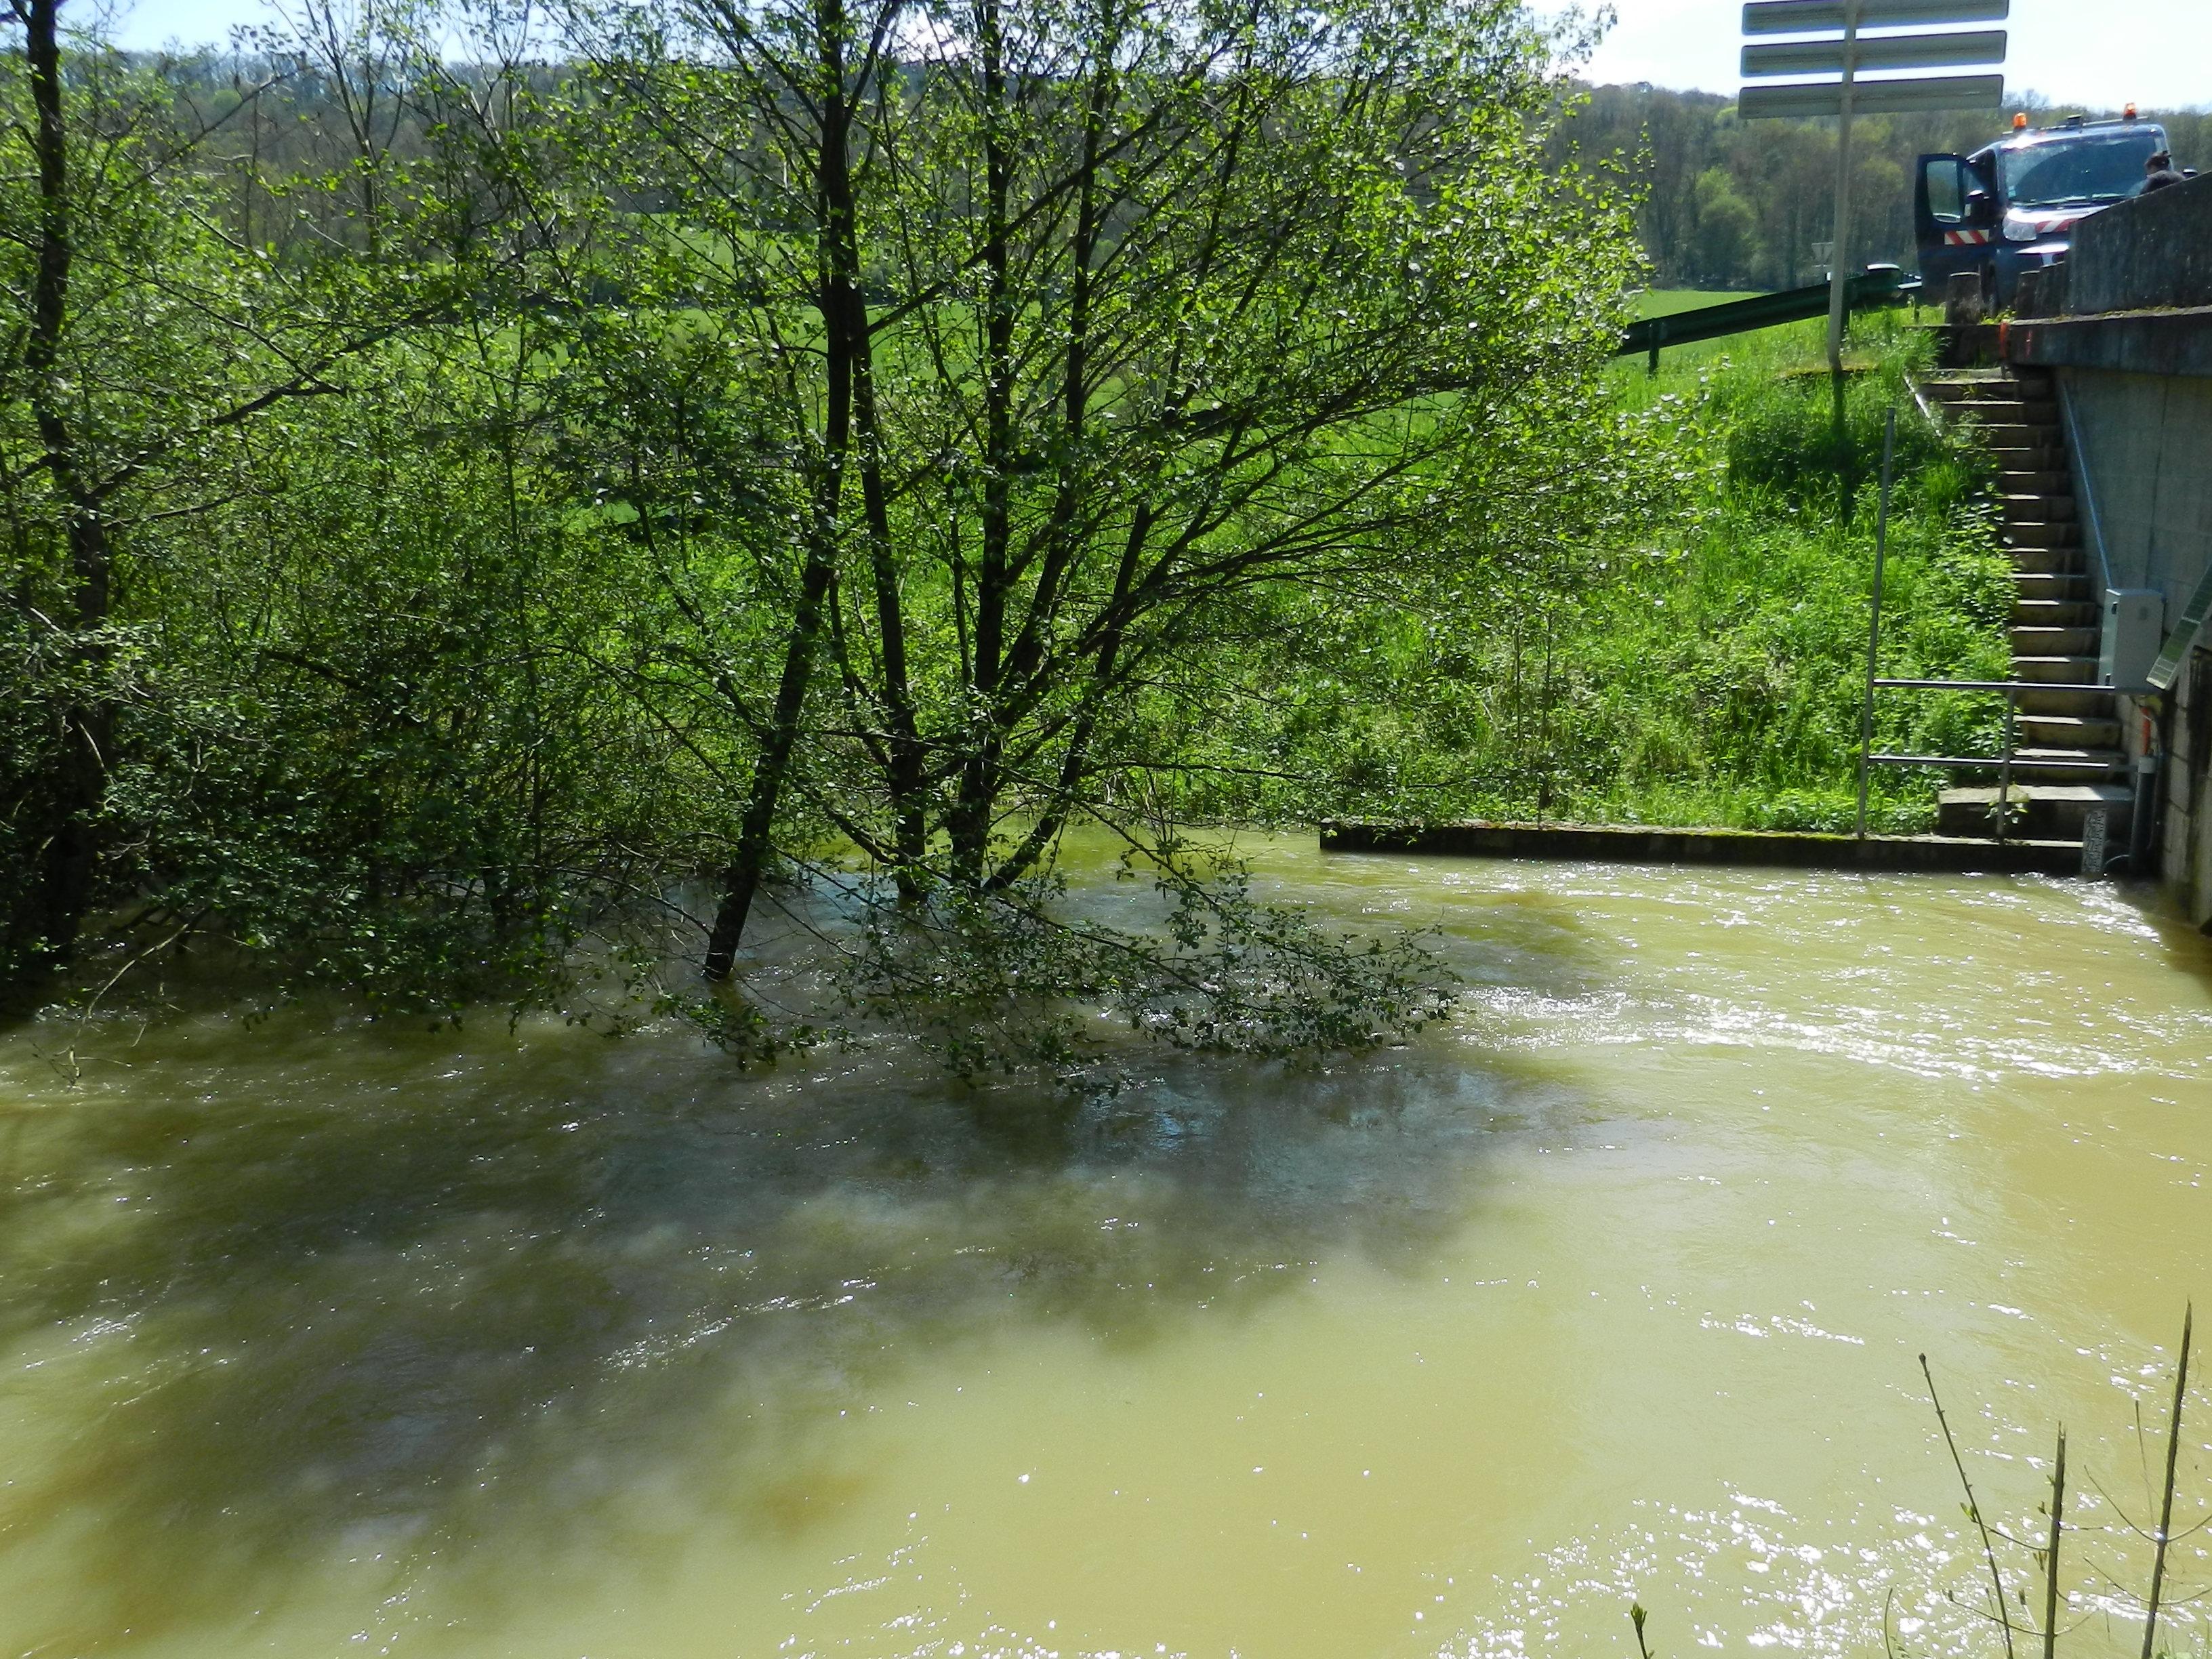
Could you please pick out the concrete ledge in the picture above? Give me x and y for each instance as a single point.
(1637, 844)
(2129, 342)
(2153, 250)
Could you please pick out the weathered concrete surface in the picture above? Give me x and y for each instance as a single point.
(2122, 341)
(2151, 251)
(2185, 783)
(2132, 352)
(2143, 473)
(1635, 844)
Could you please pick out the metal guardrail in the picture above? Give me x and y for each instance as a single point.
(2183, 635)
(1881, 285)
(2006, 760)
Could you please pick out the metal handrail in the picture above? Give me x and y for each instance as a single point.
(2003, 685)
(2020, 763)
(2006, 760)
(1920, 402)
(2078, 459)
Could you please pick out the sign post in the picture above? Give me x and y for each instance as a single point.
(1845, 54)
(1840, 264)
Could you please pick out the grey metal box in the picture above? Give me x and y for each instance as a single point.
(2135, 620)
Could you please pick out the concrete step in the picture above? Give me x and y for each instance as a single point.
(2055, 670)
(2030, 482)
(2055, 613)
(2057, 732)
(2040, 812)
(2037, 509)
(2033, 642)
(2002, 436)
(2063, 539)
(2058, 764)
(2007, 385)
(2056, 699)
(1996, 412)
(2053, 586)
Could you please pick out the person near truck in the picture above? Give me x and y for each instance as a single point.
(2159, 172)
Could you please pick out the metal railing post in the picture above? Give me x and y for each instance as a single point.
(2004, 762)
(2078, 463)
(1874, 613)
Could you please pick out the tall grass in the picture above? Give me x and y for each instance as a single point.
(1710, 673)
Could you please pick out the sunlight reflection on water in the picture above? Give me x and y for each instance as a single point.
(537, 1343)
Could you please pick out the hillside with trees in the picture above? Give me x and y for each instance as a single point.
(1726, 203)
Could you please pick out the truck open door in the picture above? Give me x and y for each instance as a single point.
(1950, 220)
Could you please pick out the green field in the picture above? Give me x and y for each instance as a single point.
(1666, 302)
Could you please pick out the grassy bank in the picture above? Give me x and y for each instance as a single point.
(1666, 302)
(1708, 666)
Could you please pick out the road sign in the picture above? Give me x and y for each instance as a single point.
(1873, 97)
(1810, 17)
(1844, 56)
(1881, 52)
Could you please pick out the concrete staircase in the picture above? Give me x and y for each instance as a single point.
(2055, 621)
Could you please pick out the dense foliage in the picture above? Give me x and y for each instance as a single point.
(475, 515)
(482, 524)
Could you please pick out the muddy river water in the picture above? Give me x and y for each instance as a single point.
(319, 1338)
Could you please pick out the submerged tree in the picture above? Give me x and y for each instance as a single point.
(861, 436)
(149, 339)
(1076, 334)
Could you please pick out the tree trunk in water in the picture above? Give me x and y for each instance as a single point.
(839, 300)
(741, 877)
(53, 905)
(905, 773)
(971, 824)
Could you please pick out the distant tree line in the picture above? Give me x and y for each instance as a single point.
(1728, 203)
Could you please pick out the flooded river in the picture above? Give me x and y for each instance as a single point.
(325, 1340)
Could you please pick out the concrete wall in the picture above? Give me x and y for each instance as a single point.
(2131, 345)
(2144, 465)
(2185, 816)
(2153, 250)
(2143, 462)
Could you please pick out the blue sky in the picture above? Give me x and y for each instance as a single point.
(2097, 52)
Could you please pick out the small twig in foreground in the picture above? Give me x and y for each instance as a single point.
(1973, 1509)
(2166, 1505)
(2051, 1558)
(1635, 1617)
